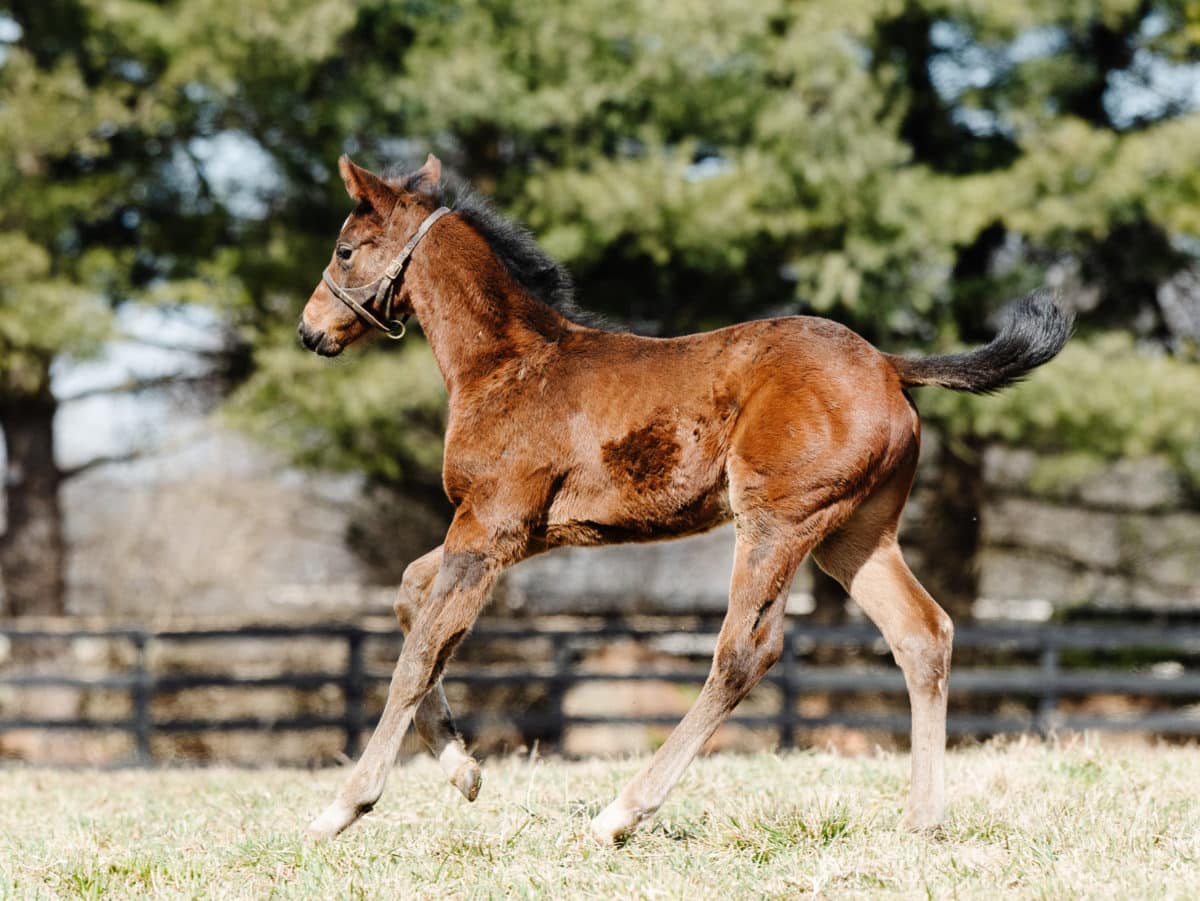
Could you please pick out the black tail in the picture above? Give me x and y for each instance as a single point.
(1034, 331)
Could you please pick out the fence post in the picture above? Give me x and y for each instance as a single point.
(787, 692)
(140, 696)
(1048, 701)
(353, 690)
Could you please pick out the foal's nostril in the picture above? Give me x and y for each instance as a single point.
(308, 338)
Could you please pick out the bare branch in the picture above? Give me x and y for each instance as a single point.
(97, 462)
(135, 386)
(147, 341)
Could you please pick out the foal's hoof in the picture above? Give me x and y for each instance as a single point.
(467, 779)
(614, 824)
(337, 816)
(921, 820)
(461, 769)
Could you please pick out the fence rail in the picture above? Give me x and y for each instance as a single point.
(1044, 681)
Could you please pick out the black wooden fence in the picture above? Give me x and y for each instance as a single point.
(1042, 665)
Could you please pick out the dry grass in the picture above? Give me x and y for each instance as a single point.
(1026, 820)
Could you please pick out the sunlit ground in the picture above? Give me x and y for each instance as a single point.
(1026, 820)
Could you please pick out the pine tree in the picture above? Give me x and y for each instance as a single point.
(905, 167)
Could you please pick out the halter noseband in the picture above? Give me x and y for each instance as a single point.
(381, 293)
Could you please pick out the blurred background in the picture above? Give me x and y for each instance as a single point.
(169, 197)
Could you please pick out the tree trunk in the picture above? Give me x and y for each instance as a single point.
(32, 550)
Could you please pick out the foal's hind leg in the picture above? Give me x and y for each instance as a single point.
(864, 556)
(751, 640)
(433, 720)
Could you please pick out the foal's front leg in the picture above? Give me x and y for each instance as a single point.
(459, 593)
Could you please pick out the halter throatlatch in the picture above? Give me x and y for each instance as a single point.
(381, 293)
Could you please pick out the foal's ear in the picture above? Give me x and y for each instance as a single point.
(365, 187)
(428, 177)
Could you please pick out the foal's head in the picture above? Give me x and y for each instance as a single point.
(388, 213)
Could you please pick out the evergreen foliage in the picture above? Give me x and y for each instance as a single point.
(905, 166)
(1104, 399)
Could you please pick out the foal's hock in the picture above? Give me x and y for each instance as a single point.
(796, 429)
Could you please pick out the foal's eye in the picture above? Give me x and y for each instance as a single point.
(344, 253)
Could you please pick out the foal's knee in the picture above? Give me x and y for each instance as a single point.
(402, 607)
(413, 586)
(924, 652)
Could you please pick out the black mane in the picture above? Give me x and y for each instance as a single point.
(514, 244)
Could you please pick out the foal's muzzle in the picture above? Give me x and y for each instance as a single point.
(317, 341)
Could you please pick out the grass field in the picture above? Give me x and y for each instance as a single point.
(1026, 820)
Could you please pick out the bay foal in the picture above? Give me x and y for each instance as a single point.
(563, 434)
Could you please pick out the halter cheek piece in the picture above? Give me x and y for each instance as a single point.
(381, 293)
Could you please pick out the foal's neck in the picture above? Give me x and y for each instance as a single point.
(475, 315)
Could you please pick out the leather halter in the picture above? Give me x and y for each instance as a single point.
(381, 293)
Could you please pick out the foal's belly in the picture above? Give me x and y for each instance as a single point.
(623, 513)
(689, 521)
